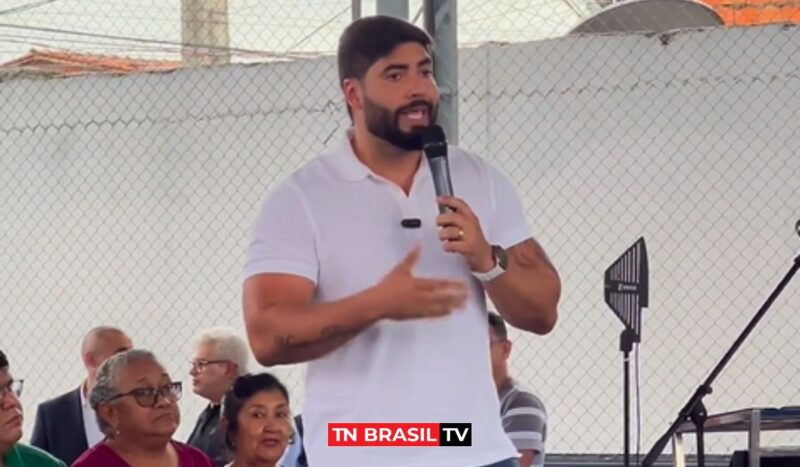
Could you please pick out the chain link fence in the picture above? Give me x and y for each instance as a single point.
(128, 200)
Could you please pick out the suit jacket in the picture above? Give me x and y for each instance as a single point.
(59, 427)
(207, 436)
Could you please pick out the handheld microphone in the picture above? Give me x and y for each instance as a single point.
(434, 145)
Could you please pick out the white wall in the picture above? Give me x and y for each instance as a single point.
(129, 201)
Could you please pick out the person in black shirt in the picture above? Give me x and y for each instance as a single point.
(220, 356)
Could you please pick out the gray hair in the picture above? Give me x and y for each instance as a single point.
(226, 345)
(105, 387)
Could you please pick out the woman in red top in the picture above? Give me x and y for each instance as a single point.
(136, 405)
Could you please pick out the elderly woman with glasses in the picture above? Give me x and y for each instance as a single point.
(136, 405)
(256, 421)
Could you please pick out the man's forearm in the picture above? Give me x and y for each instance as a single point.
(527, 294)
(291, 352)
(291, 333)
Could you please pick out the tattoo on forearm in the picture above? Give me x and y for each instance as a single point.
(330, 333)
(528, 254)
(283, 341)
(336, 332)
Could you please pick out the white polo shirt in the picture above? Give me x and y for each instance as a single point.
(337, 223)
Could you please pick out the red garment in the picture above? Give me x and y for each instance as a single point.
(103, 456)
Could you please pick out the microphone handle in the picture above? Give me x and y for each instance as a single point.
(441, 180)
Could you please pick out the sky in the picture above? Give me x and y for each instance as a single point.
(152, 28)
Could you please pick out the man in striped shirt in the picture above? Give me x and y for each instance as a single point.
(524, 415)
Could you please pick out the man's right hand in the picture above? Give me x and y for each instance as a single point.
(404, 296)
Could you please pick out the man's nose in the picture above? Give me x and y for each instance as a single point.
(9, 401)
(417, 88)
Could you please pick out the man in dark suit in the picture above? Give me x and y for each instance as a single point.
(66, 426)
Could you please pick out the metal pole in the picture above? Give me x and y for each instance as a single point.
(396, 8)
(441, 23)
(356, 9)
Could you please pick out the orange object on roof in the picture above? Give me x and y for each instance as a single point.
(756, 12)
(62, 63)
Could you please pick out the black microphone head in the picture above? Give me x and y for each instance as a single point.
(434, 143)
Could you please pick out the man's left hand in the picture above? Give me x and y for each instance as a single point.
(461, 232)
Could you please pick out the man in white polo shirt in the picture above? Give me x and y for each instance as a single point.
(392, 317)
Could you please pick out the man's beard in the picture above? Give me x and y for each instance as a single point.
(385, 125)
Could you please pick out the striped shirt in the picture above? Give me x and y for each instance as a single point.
(524, 419)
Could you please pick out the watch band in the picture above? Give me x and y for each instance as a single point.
(500, 264)
(491, 274)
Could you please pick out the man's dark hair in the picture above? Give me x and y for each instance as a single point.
(367, 40)
(3, 360)
(498, 326)
(243, 388)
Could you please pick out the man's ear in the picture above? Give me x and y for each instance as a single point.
(88, 360)
(353, 94)
(506, 349)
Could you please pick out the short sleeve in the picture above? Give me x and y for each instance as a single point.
(283, 239)
(525, 422)
(508, 224)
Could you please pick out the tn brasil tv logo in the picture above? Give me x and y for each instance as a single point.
(399, 434)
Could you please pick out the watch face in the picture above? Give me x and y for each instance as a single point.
(500, 255)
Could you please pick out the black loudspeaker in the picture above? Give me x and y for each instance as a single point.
(742, 459)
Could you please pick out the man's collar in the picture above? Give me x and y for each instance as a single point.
(350, 168)
(83, 394)
(344, 160)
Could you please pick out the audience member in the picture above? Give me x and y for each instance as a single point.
(12, 452)
(220, 356)
(524, 415)
(257, 421)
(66, 426)
(136, 405)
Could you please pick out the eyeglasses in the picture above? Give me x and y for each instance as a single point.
(200, 365)
(13, 387)
(148, 397)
